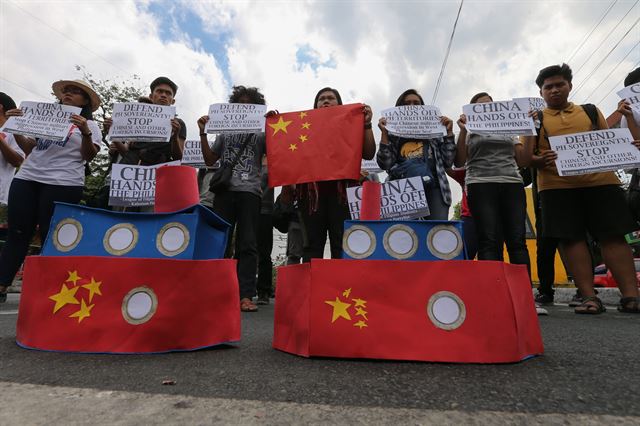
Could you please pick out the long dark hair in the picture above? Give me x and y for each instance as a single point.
(407, 92)
(252, 93)
(327, 89)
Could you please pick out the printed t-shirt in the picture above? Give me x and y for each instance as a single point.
(7, 170)
(247, 172)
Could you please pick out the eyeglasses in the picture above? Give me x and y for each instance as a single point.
(73, 90)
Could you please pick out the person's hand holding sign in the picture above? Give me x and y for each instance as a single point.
(448, 123)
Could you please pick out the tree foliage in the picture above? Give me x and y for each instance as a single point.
(456, 211)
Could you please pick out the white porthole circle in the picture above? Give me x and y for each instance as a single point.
(139, 305)
(172, 239)
(67, 234)
(120, 239)
(359, 242)
(445, 242)
(400, 241)
(446, 310)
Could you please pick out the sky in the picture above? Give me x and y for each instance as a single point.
(371, 51)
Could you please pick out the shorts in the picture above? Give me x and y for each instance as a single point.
(602, 211)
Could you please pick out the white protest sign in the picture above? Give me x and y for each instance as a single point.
(133, 185)
(535, 103)
(632, 95)
(418, 121)
(371, 166)
(42, 120)
(192, 154)
(500, 118)
(591, 152)
(236, 118)
(401, 199)
(133, 121)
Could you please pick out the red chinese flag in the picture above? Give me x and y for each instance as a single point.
(124, 305)
(315, 145)
(443, 311)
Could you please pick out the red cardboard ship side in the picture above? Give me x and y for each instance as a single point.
(454, 311)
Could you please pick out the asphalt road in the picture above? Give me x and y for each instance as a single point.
(589, 370)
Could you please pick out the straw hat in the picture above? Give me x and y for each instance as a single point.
(84, 86)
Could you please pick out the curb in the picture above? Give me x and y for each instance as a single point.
(609, 296)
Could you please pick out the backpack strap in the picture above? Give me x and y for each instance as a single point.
(592, 113)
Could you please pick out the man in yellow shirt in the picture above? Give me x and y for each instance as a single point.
(575, 205)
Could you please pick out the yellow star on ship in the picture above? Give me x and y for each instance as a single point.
(339, 309)
(303, 138)
(280, 125)
(306, 125)
(360, 324)
(362, 313)
(303, 114)
(73, 277)
(64, 296)
(293, 147)
(360, 302)
(85, 311)
(94, 288)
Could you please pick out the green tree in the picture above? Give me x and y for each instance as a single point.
(456, 211)
(109, 91)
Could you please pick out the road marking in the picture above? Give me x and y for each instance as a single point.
(8, 312)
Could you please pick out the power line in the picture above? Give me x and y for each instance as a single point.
(613, 70)
(605, 58)
(446, 56)
(584, 40)
(25, 88)
(607, 36)
(616, 85)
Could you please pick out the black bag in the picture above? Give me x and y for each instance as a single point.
(283, 214)
(221, 178)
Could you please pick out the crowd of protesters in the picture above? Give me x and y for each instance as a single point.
(493, 170)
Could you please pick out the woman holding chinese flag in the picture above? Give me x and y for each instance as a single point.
(428, 158)
(323, 205)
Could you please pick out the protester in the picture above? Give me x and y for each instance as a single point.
(495, 190)
(52, 172)
(574, 205)
(631, 120)
(240, 204)
(407, 157)
(323, 205)
(11, 156)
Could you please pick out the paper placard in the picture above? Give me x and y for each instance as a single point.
(140, 122)
(500, 118)
(42, 120)
(417, 121)
(371, 166)
(133, 185)
(632, 95)
(236, 118)
(535, 103)
(192, 154)
(591, 152)
(401, 199)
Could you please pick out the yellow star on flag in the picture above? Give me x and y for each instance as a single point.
(360, 302)
(85, 311)
(280, 125)
(303, 114)
(293, 147)
(94, 288)
(339, 309)
(303, 138)
(73, 277)
(306, 125)
(346, 293)
(360, 324)
(64, 296)
(362, 313)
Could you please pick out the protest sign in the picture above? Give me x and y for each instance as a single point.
(417, 121)
(42, 120)
(500, 118)
(401, 199)
(632, 95)
(371, 166)
(133, 185)
(141, 122)
(236, 118)
(192, 154)
(533, 103)
(591, 152)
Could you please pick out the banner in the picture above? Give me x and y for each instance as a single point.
(417, 121)
(236, 118)
(133, 185)
(591, 152)
(192, 154)
(401, 199)
(500, 118)
(632, 95)
(141, 122)
(42, 120)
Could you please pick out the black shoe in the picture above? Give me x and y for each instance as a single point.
(263, 299)
(544, 299)
(3, 297)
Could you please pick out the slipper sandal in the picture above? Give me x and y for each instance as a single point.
(629, 305)
(246, 305)
(590, 306)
